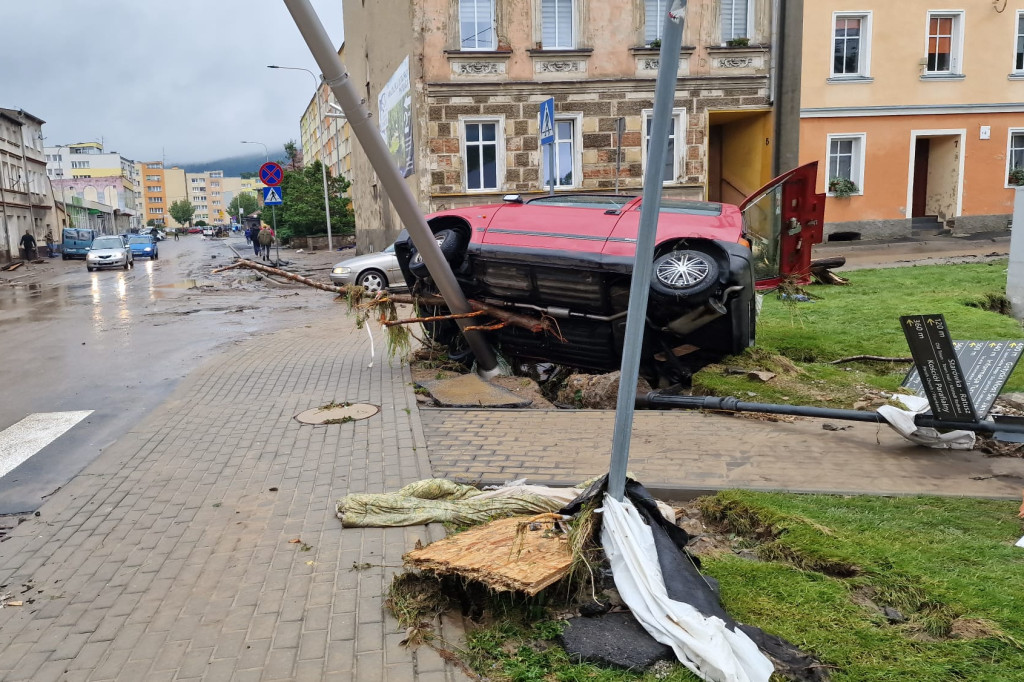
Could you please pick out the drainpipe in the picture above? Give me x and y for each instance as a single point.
(3, 205)
(359, 117)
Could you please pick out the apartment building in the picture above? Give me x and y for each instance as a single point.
(234, 186)
(455, 85)
(325, 133)
(26, 200)
(85, 170)
(160, 188)
(915, 112)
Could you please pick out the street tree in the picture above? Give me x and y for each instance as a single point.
(294, 154)
(248, 203)
(182, 211)
(302, 212)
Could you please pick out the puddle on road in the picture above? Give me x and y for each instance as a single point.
(185, 284)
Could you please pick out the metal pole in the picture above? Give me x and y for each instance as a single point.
(664, 96)
(377, 152)
(551, 168)
(327, 205)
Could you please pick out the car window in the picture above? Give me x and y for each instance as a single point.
(108, 243)
(602, 201)
(390, 249)
(762, 221)
(705, 208)
(140, 240)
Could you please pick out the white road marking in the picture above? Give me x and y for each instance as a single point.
(20, 441)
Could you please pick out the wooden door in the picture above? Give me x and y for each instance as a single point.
(918, 208)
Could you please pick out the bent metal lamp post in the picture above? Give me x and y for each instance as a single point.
(639, 288)
(359, 117)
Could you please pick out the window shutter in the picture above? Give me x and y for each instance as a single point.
(654, 18)
(734, 19)
(556, 19)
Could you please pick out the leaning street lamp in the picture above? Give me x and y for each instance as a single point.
(319, 126)
(273, 212)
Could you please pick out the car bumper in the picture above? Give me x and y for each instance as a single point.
(106, 263)
(343, 280)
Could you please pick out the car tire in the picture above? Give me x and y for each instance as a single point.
(372, 280)
(744, 324)
(63, 257)
(683, 273)
(89, 268)
(453, 248)
(156, 256)
(125, 263)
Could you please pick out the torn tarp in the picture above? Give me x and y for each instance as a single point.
(440, 500)
(903, 422)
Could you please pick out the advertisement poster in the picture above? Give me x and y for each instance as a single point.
(395, 107)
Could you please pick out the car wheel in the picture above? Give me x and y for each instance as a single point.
(89, 268)
(373, 281)
(156, 256)
(125, 263)
(683, 273)
(63, 257)
(744, 324)
(452, 248)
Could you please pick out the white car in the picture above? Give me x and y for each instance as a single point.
(375, 271)
(108, 252)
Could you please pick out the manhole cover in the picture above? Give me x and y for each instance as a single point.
(341, 413)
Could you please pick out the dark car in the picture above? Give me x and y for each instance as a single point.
(570, 257)
(144, 246)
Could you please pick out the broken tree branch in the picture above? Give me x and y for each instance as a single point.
(435, 318)
(245, 263)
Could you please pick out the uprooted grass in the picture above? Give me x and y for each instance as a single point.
(948, 566)
(863, 319)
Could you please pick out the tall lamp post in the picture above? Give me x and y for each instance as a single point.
(319, 127)
(273, 211)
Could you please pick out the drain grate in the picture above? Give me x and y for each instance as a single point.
(341, 413)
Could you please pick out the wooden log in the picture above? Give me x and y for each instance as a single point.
(245, 263)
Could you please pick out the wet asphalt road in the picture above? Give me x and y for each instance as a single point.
(117, 342)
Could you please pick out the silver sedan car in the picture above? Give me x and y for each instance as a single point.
(108, 252)
(375, 271)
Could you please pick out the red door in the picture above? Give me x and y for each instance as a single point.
(918, 207)
(783, 220)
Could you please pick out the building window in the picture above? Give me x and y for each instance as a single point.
(557, 24)
(1018, 58)
(154, 188)
(851, 45)
(153, 178)
(566, 152)
(476, 23)
(945, 42)
(483, 155)
(1014, 152)
(736, 16)
(673, 152)
(846, 160)
(79, 164)
(654, 19)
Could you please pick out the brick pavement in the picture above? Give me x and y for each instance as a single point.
(168, 557)
(683, 452)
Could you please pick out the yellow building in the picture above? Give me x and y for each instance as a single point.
(914, 111)
(324, 132)
(160, 187)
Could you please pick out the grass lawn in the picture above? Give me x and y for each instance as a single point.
(828, 566)
(862, 319)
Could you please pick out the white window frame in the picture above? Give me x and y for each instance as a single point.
(576, 119)
(864, 67)
(956, 48)
(659, 22)
(1018, 36)
(494, 29)
(574, 18)
(499, 140)
(857, 162)
(679, 135)
(1009, 146)
(750, 22)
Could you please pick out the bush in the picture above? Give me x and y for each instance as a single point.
(1016, 176)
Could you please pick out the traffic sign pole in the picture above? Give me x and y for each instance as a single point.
(551, 168)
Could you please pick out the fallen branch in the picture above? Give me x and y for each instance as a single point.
(435, 318)
(244, 263)
(533, 324)
(227, 267)
(869, 358)
(486, 327)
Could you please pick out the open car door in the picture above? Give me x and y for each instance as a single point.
(783, 220)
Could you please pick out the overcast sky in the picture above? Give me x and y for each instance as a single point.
(181, 79)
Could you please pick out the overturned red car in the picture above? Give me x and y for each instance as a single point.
(570, 257)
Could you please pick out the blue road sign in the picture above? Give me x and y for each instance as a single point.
(272, 196)
(271, 174)
(547, 121)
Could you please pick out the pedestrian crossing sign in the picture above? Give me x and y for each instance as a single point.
(272, 196)
(547, 121)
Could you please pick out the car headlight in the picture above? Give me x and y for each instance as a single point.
(147, 249)
(342, 271)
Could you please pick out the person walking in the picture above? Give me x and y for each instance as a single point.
(255, 240)
(49, 244)
(265, 239)
(176, 233)
(28, 243)
(248, 235)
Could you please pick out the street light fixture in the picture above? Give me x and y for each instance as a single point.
(319, 125)
(273, 211)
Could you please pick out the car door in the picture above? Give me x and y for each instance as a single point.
(783, 220)
(392, 269)
(568, 223)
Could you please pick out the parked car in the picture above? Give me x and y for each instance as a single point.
(156, 233)
(108, 252)
(143, 245)
(195, 230)
(209, 231)
(570, 257)
(75, 242)
(375, 271)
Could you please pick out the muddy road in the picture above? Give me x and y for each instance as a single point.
(115, 343)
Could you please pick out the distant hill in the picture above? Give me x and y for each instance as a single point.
(234, 166)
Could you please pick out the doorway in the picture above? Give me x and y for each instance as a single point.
(739, 154)
(920, 194)
(935, 187)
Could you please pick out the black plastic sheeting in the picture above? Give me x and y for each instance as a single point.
(684, 583)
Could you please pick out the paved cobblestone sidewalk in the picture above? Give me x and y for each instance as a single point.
(168, 558)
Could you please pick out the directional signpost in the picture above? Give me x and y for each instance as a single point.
(547, 136)
(271, 175)
(943, 379)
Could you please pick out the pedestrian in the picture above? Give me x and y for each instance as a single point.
(255, 240)
(28, 243)
(265, 239)
(248, 235)
(49, 244)
(176, 233)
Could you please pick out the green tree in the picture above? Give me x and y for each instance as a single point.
(151, 223)
(182, 211)
(294, 155)
(302, 212)
(248, 202)
(201, 223)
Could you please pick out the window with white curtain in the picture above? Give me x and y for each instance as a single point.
(557, 24)
(654, 19)
(736, 15)
(476, 23)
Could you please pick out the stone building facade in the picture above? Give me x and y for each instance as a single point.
(479, 69)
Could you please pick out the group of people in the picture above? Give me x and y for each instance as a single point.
(28, 243)
(261, 239)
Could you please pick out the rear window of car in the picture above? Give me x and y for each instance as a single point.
(601, 201)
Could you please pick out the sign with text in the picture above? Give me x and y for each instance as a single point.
(942, 377)
(987, 366)
(394, 107)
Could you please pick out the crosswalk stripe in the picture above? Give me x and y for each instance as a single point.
(20, 441)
